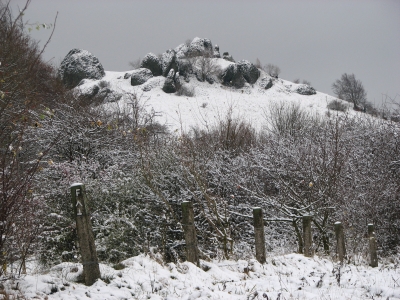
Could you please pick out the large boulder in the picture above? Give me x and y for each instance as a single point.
(200, 47)
(181, 50)
(169, 83)
(168, 62)
(77, 65)
(249, 71)
(227, 57)
(305, 89)
(152, 62)
(140, 76)
(232, 76)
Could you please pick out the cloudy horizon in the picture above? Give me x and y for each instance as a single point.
(310, 40)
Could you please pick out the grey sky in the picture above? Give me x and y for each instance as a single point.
(312, 40)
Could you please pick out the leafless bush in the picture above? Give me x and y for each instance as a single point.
(289, 119)
(233, 134)
(272, 70)
(337, 105)
(26, 82)
(204, 67)
(135, 64)
(258, 64)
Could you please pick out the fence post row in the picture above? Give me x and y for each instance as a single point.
(259, 234)
(307, 236)
(372, 246)
(91, 270)
(340, 244)
(192, 252)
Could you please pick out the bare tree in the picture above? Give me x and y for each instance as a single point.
(350, 89)
(135, 64)
(258, 63)
(272, 70)
(204, 67)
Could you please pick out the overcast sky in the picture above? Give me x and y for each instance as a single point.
(313, 40)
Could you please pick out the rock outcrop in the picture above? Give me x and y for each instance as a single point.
(227, 57)
(216, 52)
(305, 89)
(152, 62)
(169, 83)
(200, 47)
(77, 65)
(168, 62)
(140, 76)
(232, 76)
(249, 71)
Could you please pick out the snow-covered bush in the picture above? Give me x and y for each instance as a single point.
(337, 105)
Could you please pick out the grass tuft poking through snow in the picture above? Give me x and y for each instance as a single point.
(291, 276)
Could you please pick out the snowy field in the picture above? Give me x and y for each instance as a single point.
(291, 276)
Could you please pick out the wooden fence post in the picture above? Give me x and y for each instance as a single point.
(91, 270)
(372, 246)
(192, 252)
(340, 244)
(259, 234)
(307, 236)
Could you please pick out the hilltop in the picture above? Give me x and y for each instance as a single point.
(205, 88)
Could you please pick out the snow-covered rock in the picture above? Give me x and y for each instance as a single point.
(152, 62)
(140, 76)
(233, 76)
(305, 89)
(200, 47)
(168, 62)
(249, 71)
(228, 57)
(77, 65)
(216, 52)
(169, 83)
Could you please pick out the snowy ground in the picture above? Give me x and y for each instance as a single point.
(291, 276)
(211, 102)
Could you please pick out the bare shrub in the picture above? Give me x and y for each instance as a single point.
(272, 70)
(289, 119)
(26, 83)
(232, 134)
(204, 67)
(135, 64)
(337, 105)
(258, 64)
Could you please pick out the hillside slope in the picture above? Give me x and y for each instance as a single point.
(210, 103)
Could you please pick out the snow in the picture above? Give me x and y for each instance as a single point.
(291, 276)
(212, 103)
